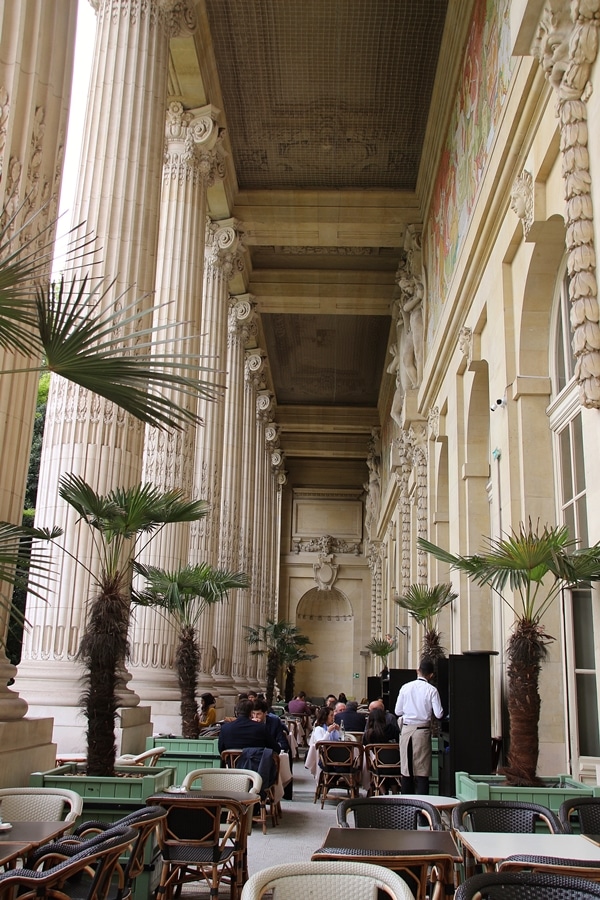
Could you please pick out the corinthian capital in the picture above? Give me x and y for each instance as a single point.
(225, 247)
(178, 17)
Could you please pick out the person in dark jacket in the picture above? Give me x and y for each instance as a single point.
(353, 720)
(243, 732)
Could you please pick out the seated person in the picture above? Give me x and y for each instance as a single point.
(378, 730)
(208, 714)
(274, 725)
(390, 718)
(325, 728)
(299, 706)
(243, 732)
(352, 719)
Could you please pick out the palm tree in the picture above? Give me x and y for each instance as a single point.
(381, 648)
(279, 639)
(424, 604)
(118, 522)
(293, 655)
(182, 596)
(535, 567)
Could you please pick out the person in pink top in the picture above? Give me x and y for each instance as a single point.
(298, 706)
(417, 702)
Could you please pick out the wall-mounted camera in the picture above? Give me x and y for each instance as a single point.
(498, 404)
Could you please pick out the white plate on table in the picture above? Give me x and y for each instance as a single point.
(5, 826)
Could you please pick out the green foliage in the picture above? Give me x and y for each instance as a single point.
(283, 643)
(381, 647)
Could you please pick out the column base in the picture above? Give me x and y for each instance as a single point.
(26, 747)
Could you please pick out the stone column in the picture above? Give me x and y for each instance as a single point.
(227, 613)
(223, 259)
(192, 163)
(35, 84)
(242, 667)
(118, 199)
(258, 588)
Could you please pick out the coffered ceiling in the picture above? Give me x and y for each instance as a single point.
(335, 111)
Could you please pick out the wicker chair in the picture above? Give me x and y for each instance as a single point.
(32, 804)
(503, 815)
(579, 868)
(142, 822)
(147, 758)
(269, 806)
(388, 812)
(85, 874)
(323, 880)
(526, 886)
(202, 839)
(383, 764)
(340, 766)
(228, 780)
(585, 809)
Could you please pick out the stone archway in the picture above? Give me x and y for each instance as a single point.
(327, 617)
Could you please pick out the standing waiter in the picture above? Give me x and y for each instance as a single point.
(417, 702)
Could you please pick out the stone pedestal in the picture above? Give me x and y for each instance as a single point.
(133, 727)
(25, 747)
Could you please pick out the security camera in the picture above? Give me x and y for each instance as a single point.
(497, 404)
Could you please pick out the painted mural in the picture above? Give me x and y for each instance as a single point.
(473, 126)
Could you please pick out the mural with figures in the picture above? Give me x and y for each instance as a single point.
(486, 74)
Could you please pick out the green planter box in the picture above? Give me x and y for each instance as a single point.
(551, 795)
(185, 754)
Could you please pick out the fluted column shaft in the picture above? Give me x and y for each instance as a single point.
(191, 165)
(222, 259)
(118, 198)
(226, 614)
(35, 84)
(243, 668)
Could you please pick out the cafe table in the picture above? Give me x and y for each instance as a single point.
(488, 848)
(18, 841)
(409, 852)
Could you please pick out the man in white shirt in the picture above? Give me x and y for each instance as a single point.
(417, 702)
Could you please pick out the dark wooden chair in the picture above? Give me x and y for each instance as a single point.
(388, 812)
(583, 813)
(383, 765)
(526, 886)
(340, 767)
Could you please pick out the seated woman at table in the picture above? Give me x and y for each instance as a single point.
(378, 730)
(207, 716)
(325, 728)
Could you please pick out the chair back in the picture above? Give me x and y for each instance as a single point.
(388, 812)
(383, 765)
(526, 886)
(147, 758)
(579, 868)
(584, 811)
(503, 816)
(323, 880)
(229, 758)
(32, 804)
(199, 822)
(223, 779)
(93, 868)
(339, 756)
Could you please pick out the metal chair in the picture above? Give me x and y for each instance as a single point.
(586, 810)
(388, 812)
(87, 874)
(503, 815)
(579, 868)
(32, 804)
(383, 765)
(202, 839)
(340, 766)
(323, 880)
(142, 822)
(526, 886)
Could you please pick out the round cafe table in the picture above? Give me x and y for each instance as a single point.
(444, 804)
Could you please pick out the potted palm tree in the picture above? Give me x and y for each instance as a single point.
(279, 639)
(182, 596)
(528, 569)
(381, 648)
(424, 605)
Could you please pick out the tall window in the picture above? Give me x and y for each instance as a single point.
(582, 616)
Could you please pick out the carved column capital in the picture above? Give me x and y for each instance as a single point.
(225, 248)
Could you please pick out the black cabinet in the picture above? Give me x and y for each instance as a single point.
(389, 688)
(466, 733)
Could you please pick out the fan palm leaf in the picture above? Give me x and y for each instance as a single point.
(281, 640)
(182, 595)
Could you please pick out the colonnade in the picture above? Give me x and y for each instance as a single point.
(142, 191)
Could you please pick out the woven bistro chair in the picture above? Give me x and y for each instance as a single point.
(388, 812)
(269, 805)
(340, 767)
(583, 811)
(87, 874)
(526, 886)
(324, 880)
(579, 868)
(503, 815)
(383, 765)
(33, 804)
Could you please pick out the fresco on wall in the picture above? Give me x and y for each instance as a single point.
(486, 73)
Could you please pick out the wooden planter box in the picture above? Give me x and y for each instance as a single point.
(185, 754)
(551, 795)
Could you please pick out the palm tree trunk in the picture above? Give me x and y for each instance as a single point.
(272, 669)
(103, 647)
(188, 665)
(290, 678)
(526, 651)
